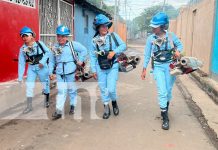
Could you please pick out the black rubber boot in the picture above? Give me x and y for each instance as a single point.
(115, 108)
(107, 111)
(29, 107)
(165, 124)
(46, 102)
(57, 115)
(72, 110)
(168, 104)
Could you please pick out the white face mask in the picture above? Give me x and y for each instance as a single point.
(100, 40)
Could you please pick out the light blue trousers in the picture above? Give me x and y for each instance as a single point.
(43, 74)
(107, 81)
(66, 84)
(164, 82)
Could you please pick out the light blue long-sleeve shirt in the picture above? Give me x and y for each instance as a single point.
(150, 48)
(22, 58)
(65, 62)
(106, 47)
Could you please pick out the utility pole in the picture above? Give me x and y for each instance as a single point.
(164, 4)
(115, 16)
(125, 10)
(130, 25)
(118, 17)
(101, 6)
(126, 20)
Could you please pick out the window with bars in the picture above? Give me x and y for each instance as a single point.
(52, 14)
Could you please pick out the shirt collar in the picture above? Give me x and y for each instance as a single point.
(34, 45)
(167, 34)
(105, 35)
(66, 44)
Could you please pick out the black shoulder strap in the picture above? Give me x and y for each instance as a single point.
(73, 52)
(98, 49)
(27, 54)
(41, 47)
(158, 48)
(166, 46)
(115, 39)
(110, 42)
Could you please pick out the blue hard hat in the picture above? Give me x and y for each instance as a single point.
(159, 19)
(101, 19)
(62, 30)
(26, 30)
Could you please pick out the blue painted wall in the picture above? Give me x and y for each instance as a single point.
(214, 63)
(80, 22)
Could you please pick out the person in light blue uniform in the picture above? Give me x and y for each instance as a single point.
(163, 47)
(64, 60)
(106, 47)
(36, 54)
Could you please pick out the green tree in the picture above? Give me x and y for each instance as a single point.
(142, 22)
(109, 9)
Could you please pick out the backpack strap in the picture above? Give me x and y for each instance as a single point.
(115, 39)
(75, 57)
(155, 45)
(110, 42)
(166, 44)
(98, 49)
(41, 47)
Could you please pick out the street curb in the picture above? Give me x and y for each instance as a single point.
(206, 84)
(196, 110)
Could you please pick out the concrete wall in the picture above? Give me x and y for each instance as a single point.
(121, 30)
(173, 26)
(195, 26)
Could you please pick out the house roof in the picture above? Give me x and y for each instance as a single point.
(69, 1)
(87, 5)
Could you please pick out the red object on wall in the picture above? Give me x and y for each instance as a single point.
(13, 17)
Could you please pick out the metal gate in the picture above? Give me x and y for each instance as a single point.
(52, 14)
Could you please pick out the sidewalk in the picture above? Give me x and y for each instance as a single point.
(201, 104)
(207, 84)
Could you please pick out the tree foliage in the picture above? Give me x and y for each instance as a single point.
(142, 22)
(109, 9)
